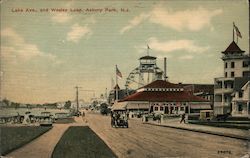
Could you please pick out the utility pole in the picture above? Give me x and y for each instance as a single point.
(77, 101)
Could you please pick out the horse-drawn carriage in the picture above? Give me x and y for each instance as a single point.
(119, 121)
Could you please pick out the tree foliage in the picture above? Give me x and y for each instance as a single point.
(67, 104)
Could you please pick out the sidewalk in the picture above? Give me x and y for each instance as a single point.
(43, 146)
(226, 132)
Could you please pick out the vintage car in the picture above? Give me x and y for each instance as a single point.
(206, 115)
(46, 121)
(119, 121)
(61, 115)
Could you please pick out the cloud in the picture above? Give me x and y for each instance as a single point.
(192, 20)
(61, 17)
(77, 32)
(18, 48)
(134, 22)
(176, 45)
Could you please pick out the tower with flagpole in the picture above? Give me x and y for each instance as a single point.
(236, 75)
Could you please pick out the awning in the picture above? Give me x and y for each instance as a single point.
(200, 106)
(138, 106)
(119, 106)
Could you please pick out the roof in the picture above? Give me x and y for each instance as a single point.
(164, 96)
(162, 84)
(147, 57)
(240, 82)
(117, 87)
(196, 88)
(245, 86)
(233, 48)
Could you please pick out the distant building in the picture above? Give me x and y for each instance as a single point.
(236, 75)
(205, 91)
(122, 93)
(163, 97)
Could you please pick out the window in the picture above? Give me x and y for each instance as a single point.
(244, 64)
(240, 94)
(240, 108)
(225, 74)
(232, 85)
(225, 65)
(156, 108)
(161, 108)
(246, 74)
(249, 107)
(232, 74)
(182, 108)
(232, 64)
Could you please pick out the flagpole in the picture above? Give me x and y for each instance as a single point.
(233, 31)
(116, 85)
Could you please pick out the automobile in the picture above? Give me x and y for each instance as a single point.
(206, 115)
(61, 115)
(120, 122)
(46, 121)
(46, 113)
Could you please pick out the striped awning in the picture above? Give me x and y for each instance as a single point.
(119, 106)
(200, 106)
(138, 106)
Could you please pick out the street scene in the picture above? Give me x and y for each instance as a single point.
(135, 79)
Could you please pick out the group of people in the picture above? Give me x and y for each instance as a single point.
(116, 116)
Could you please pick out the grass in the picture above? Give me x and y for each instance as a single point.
(12, 138)
(81, 141)
(224, 124)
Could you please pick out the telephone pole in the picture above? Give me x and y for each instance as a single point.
(77, 101)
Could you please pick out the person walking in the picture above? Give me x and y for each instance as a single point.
(182, 118)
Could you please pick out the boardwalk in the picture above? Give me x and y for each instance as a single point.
(142, 140)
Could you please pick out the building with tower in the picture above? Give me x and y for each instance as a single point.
(229, 89)
(145, 73)
(163, 97)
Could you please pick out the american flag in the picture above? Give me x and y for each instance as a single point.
(237, 31)
(118, 72)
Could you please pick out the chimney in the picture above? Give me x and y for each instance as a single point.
(165, 69)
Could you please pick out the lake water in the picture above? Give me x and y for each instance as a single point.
(34, 111)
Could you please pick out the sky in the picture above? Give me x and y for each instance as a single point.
(45, 53)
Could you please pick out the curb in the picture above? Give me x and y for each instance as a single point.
(206, 132)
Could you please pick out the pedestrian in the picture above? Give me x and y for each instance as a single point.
(182, 118)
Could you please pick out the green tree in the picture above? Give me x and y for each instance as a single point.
(67, 104)
(104, 109)
(6, 102)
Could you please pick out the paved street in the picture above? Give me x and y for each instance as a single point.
(140, 140)
(143, 140)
